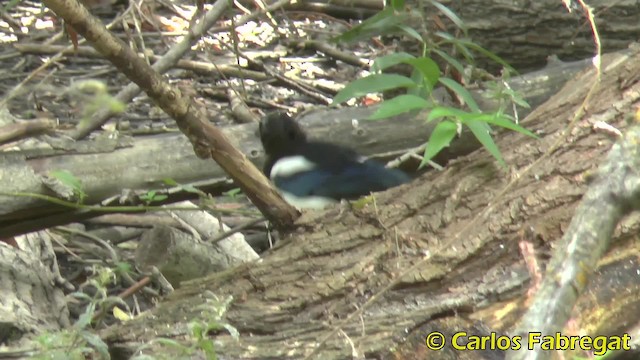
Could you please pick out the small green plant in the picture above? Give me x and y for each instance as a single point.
(79, 341)
(426, 75)
(152, 196)
(209, 319)
(233, 193)
(68, 180)
(95, 96)
(71, 344)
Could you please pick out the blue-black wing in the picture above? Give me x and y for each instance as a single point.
(351, 180)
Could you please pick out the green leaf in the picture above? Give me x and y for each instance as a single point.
(411, 32)
(123, 267)
(362, 202)
(504, 122)
(96, 343)
(445, 111)
(191, 189)
(487, 53)
(429, 69)
(208, 347)
(462, 92)
(371, 84)
(232, 331)
(397, 5)
(386, 61)
(445, 36)
(197, 329)
(520, 101)
(422, 89)
(481, 132)
(85, 318)
(451, 60)
(379, 23)
(399, 105)
(451, 15)
(464, 116)
(160, 197)
(107, 101)
(67, 179)
(464, 50)
(459, 44)
(170, 343)
(232, 193)
(169, 182)
(81, 296)
(440, 138)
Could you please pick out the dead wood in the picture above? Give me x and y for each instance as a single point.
(182, 256)
(473, 278)
(31, 301)
(525, 34)
(106, 167)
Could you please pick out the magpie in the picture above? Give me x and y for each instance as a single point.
(313, 174)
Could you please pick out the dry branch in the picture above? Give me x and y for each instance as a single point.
(208, 140)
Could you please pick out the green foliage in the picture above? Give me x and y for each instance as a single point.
(360, 203)
(440, 138)
(233, 193)
(71, 345)
(426, 75)
(152, 196)
(69, 180)
(95, 96)
(210, 318)
(372, 83)
(399, 105)
(386, 21)
(79, 341)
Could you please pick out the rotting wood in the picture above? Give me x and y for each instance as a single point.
(337, 260)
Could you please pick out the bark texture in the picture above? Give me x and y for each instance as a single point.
(525, 33)
(442, 253)
(30, 302)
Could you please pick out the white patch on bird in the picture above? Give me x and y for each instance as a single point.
(291, 165)
(307, 202)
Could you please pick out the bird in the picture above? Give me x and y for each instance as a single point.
(313, 174)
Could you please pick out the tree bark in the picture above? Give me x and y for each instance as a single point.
(526, 33)
(442, 253)
(31, 302)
